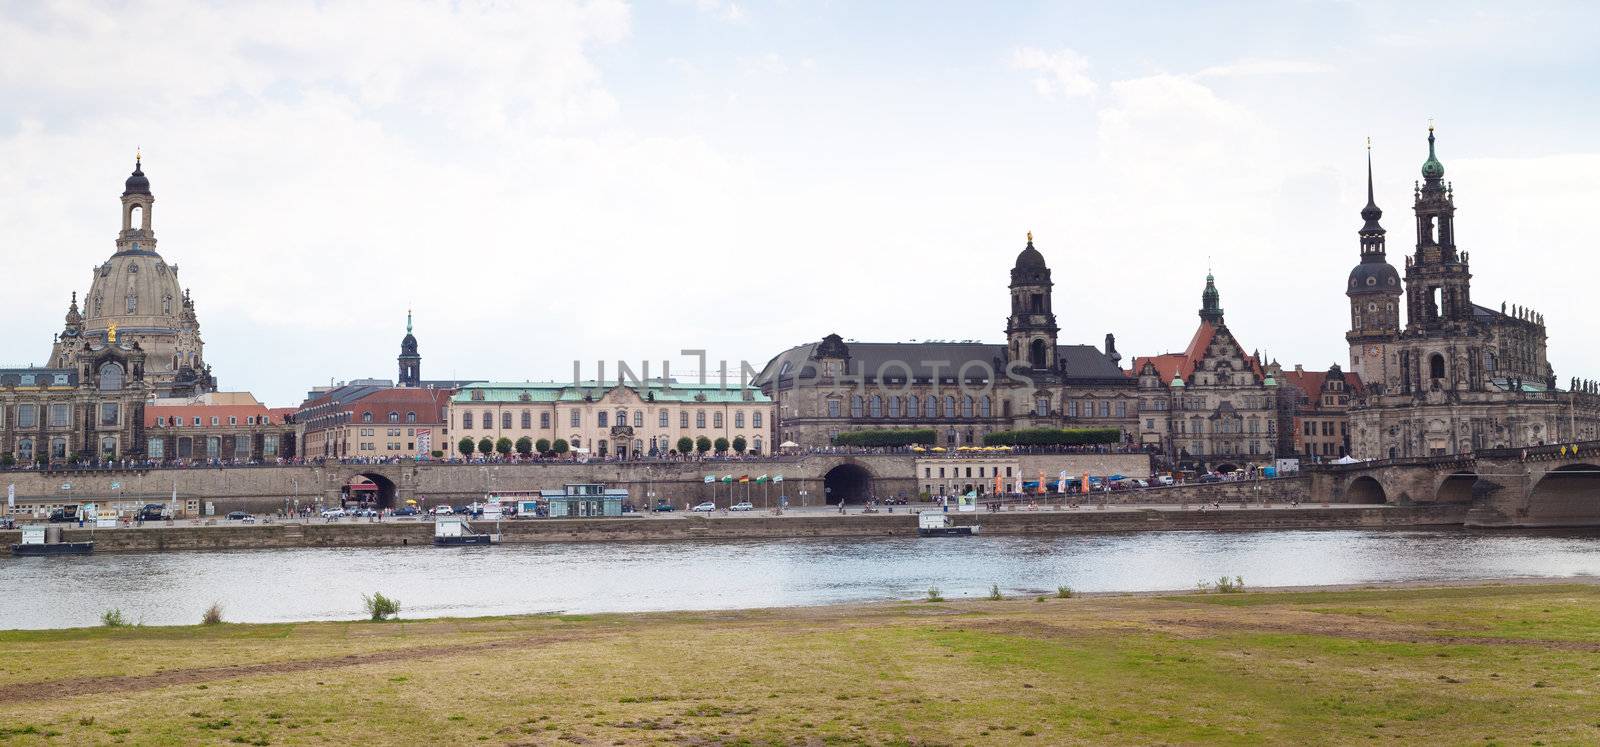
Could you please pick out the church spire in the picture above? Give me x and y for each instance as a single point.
(1432, 170)
(1211, 302)
(1372, 232)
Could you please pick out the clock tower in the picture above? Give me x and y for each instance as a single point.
(1374, 292)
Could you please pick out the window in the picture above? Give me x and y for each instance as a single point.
(911, 406)
(196, 422)
(505, 420)
(241, 448)
(699, 418)
(930, 407)
(983, 406)
(60, 415)
(716, 419)
(1122, 409)
(544, 420)
(876, 406)
(366, 417)
(215, 421)
(108, 448)
(110, 377)
(28, 417)
(855, 406)
(683, 419)
(738, 418)
(58, 448)
(894, 407)
(394, 417)
(756, 445)
(411, 417)
(755, 419)
(949, 406)
(622, 417)
(269, 446)
(1072, 408)
(1105, 409)
(638, 418)
(1041, 406)
(662, 419)
(156, 448)
(161, 422)
(25, 450)
(527, 420)
(233, 420)
(966, 406)
(602, 419)
(576, 420)
(466, 420)
(108, 413)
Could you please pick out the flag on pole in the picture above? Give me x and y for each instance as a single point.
(710, 479)
(1043, 486)
(727, 478)
(761, 479)
(11, 496)
(1061, 482)
(744, 479)
(777, 478)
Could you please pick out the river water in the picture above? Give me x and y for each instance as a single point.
(327, 584)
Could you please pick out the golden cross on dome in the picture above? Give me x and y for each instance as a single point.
(1030, 237)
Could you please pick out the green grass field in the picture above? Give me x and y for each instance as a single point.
(1516, 664)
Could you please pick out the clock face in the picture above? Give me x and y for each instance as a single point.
(1372, 350)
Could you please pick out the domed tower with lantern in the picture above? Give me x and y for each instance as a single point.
(1374, 291)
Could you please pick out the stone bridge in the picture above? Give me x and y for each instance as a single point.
(1542, 486)
(810, 479)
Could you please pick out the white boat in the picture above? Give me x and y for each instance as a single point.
(939, 524)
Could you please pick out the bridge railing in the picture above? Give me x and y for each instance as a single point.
(1545, 452)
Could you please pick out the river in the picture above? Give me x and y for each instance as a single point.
(327, 584)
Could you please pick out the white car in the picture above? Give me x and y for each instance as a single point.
(443, 510)
(742, 506)
(333, 513)
(708, 507)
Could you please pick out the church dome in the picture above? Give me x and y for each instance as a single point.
(1431, 168)
(1378, 277)
(137, 183)
(1030, 268)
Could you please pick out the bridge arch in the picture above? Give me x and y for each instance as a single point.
(847, 483)
(369, 487)
(1365, 489)
(1567, 495)
(1456, 487)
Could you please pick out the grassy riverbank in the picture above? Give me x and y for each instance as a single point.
(1516, 664)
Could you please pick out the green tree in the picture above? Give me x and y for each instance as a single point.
(485, 446)
(702, 444)
(720, 445)
(437, 454)
(503, 445)
(465, 446)
(685, 445)
(739, 444)
(542, 446)
(560, 446)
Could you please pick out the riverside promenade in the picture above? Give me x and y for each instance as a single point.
(220, 534)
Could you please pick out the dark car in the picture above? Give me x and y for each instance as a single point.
(407, 511)
(1210, 478)
(65, 513)
(152, 512)
(243, 516)
(663, 506)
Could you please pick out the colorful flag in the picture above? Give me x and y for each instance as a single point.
(744, 478)
(727, 478)
(761, 479)
(777, 478)
(710, 479)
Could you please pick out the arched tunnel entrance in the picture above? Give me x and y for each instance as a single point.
(847, 483)
(1365, 489)
(1569, 494)
(370, 489)
(1457, 488)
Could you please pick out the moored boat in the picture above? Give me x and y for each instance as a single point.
(43, 540)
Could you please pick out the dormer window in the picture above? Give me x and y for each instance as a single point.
(477, 395)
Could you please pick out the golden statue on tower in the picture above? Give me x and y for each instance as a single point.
(111, 334)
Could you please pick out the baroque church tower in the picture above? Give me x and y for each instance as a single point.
(410, 361)
(1374, 291)
(1031, 328)
(1438, 281)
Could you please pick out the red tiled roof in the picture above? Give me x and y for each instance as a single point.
(428, 404)
(220, 412)
(1180, 365)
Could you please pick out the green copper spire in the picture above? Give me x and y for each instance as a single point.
(1432, 170)
(1211, 302)
(408, 321)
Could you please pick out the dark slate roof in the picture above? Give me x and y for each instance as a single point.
(868, 359)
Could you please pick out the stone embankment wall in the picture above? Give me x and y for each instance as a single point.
(406, 533)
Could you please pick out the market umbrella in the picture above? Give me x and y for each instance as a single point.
(411, 501)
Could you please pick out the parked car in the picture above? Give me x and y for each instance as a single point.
(708, 506)
(1163, 480)
(65, 513)
(334, 513)
(242, 516)
(443, 509)
(153, 512)
(742, 506)
(471, 510)
(407, 511)
(663, 506)
(1210, 478)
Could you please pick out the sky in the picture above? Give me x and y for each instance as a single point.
(543, 183)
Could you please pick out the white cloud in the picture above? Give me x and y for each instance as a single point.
(725, 10)
(1060, 73)
(1265, 66)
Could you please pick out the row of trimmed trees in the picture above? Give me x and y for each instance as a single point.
(526, 446)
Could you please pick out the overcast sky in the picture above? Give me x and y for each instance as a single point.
(557, 181)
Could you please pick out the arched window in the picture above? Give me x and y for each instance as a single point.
(111, 378)
(966, 406)
(394, 417)
(466, 420)
(411, 417)
(1036, 354)
(622, 416)
(544, 420)
(912, 406)
(755, 446)
(1436, 366)
(949, 406)
(738, 418)
(488, 419)
(877, 406)
(983, 406)
(930, 407)
(527, 420)
(603, 419)
(894, 407)
(505, 420)
(366, 417)
(755, 419)
(855, 406)
(716, 419)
